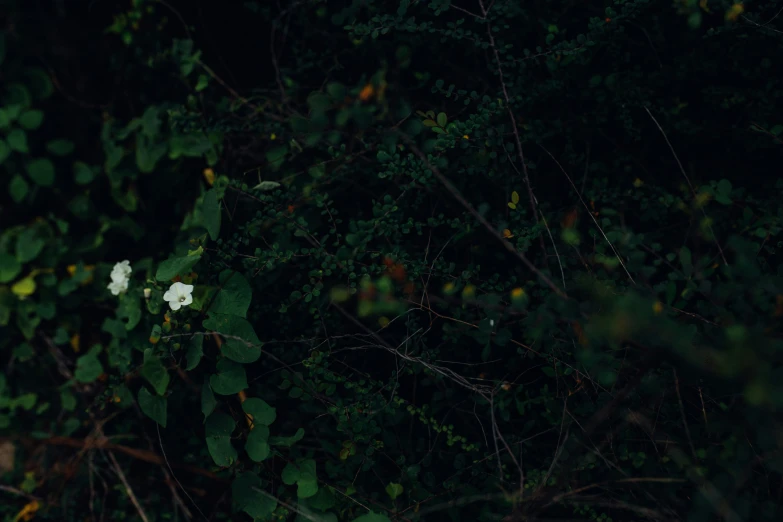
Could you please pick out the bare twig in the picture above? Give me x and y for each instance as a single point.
(589, 213)
(693, 190)
(682, 413)
(525, 176)
(454, 192)
(128, 489)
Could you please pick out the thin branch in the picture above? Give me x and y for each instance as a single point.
(454, 192)
(693, 190)
(525, 176)
(589, 213)
(128, 489)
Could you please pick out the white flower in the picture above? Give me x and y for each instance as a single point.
(121, 270)
(118, 286)
(120, 276)
(179, 295)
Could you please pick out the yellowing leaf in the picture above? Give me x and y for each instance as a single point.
(24, 288)
(366, 92)
(209, 175)
(514, 197)
(75, 342)
(702, 198)
(638, 183)
(734, 11)
(507, 233)
(28, 511)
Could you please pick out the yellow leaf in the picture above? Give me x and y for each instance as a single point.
(507, 233)
(658, 307)
(702, 198)
(638, 183)
(517, 293)
(734, 11)
(25, 287)
(209, 175)
(366, 92)
(75, 342)
(28, 511)
(514, 197)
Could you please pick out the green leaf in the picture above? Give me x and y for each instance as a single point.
(189, 145)
(303, 475)
(175, 266)
(336, 91)
(9, 267)
(88, 367)
(263, 414)
(242, 345)
(195, 351)
(203, 82)
(82, 173)
(153, 406)
(244, 493)
(287, 442)
(442, 119)
(685, 259)
(267, 185)
(28, 245)
(276, 155)
(41, 171)
(17, 140)
(155, 373)
(130, 307)
(5, 151)
(230, 379)
(430, 123)
(372, 517)
(208, 401)
(438, 130)
(210, 209)
(723, 192)
(60, 147)
(233, 297)
(148, 154)
(31, 119)
(394, 490)
(18, 188)
(257, 445)
(218, 430)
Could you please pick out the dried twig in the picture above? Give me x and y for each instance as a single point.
(693, 190)
(128, 489)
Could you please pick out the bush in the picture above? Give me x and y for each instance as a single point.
(445, 262)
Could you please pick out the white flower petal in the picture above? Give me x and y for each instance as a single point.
(188, 300)
(169, 295)
(117, 287)
(175, 305)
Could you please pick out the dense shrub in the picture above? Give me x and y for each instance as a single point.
(436, 261)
